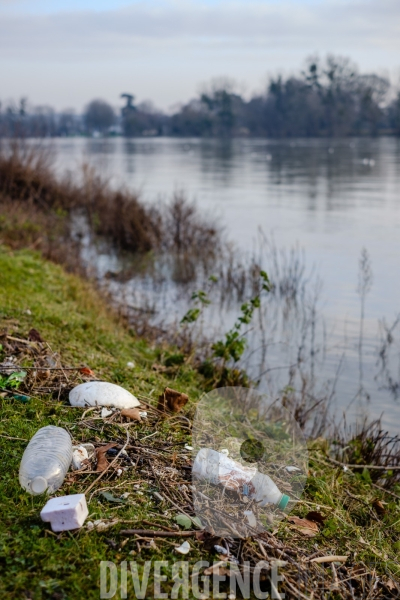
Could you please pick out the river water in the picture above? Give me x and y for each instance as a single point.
(331, 198)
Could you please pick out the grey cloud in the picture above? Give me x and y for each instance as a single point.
(93, 35)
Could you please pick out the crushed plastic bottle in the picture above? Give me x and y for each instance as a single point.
(218, 469)
(46, 460)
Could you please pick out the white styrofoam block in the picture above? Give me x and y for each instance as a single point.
(65, 512)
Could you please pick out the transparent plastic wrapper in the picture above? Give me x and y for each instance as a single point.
(250, 462)
(46, 460)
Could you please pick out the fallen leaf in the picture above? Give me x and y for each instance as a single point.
(304, 526)
(172, 400)
(34, 336)
(196, 521)
(132, 414)
(108, 496)
(379, 506)
(86, 371)
(102, 462)
(390, 585)
(183, 521)
(316, 517)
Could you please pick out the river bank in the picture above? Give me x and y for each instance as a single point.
(351, 517)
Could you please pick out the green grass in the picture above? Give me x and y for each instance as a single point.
(76, 323)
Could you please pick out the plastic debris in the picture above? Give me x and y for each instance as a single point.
(220, 549)
(251, 519)
(65, 512)
(292, 469)
(215, 467)
(79, 454)
(187, 447)
(46, 460)
(130, 364)
(105, 412)
(225, 451)
(143, 414)
(184, 548)
(102, 393)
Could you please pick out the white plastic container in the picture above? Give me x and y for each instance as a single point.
(216, 468)
(46, 460)
(102, 393)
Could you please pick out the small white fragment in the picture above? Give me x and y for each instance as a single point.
(220, 549)
(345, 469)
(143, 414)
(293, 469)
(65, 512)
(187, 447)
(105, 412)
(119, 472)
(184, 548)
(225, 451)
(79, 454)
(90, 525)
(130, 364)
(28, 311)
(251, 519)
(125, 495)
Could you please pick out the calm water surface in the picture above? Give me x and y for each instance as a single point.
(331, 197)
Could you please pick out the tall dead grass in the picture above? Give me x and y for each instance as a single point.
(30, 188)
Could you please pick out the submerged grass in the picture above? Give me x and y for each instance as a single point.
(351, 516)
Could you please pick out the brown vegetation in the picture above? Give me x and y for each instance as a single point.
(38, 208)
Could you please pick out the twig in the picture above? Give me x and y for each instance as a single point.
(8, 437)
(377, 467)
(110, 464)
(151, 533)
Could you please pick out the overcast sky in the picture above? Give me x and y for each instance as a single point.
(66, 52)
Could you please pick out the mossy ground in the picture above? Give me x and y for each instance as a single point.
(76, 323)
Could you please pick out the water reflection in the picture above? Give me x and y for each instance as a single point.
(333, 197)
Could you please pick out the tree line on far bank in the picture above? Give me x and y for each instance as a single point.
(329, 98)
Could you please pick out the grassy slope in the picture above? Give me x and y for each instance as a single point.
(37, 564)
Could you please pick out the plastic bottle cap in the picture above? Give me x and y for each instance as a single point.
(283, 502)
(39, 485)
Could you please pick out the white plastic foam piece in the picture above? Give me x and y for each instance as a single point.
(102, 393)
(65, 512)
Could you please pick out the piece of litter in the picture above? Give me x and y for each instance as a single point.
(130, 364)
(65, 512)
(293, 469)
(119, 472)
(125, 495)
(102, 393)
(225, 451)
(184, 548)
(188, 447)
(105, 412)
(79, 454)
(143, 414)
(220, 549)
(251, 519)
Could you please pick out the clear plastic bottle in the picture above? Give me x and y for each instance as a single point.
(216, 468)
(46, 460)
